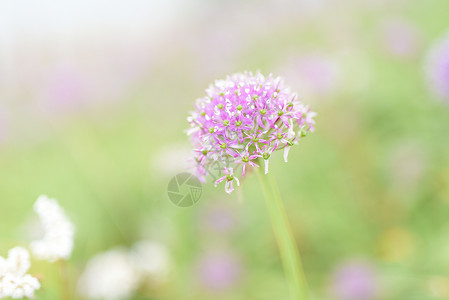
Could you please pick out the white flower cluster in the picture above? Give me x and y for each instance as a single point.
(116, 274)
(57, 242)
(14, 280)
(109, 276)
(152, 260)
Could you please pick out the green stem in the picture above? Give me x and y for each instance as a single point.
(291, 259)
(64, 280)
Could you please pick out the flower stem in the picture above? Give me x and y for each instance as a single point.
(63, 277)
(291, 259)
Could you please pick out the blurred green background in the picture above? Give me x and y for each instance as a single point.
(96, 119)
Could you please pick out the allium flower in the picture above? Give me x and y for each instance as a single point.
(219, 270)
(110, 275)
(229, 176)
(57, 242)
(437, 68)
(243, 120)
(400, 38)
(318, 73)
(355, 281)
(14, 282)
(66, 89)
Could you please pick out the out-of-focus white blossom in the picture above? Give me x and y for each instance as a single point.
(14, 282)
(57, 242)
(152, 260)
(117, 274)
(110, 275)
(18, 262)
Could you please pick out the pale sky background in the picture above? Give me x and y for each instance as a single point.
(34, 29)
(70, 19)
(64, 28)
(59, 18)
(65, 25)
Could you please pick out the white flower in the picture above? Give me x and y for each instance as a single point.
(14, 282)
(18, 262)
(152, 259)
(110, 276)
(116, 274)
(57, 242)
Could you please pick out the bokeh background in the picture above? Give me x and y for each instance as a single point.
(94, 97)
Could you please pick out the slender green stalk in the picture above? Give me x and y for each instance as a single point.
(64, 280)
(291, 259)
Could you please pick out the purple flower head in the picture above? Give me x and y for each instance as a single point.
(355, 280)
(438, 68)
(318, 73)
(243, 120)
(65, 90)
(400, 38)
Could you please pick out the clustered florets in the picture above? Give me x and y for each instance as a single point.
(243, 120)
(14, 280)
(57, 242)
(118, 273)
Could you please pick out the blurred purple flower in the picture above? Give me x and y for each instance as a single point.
(317, 73)
(400, 38)
(355, 280)
(219, 271)
(437, 68)
(66, 90)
